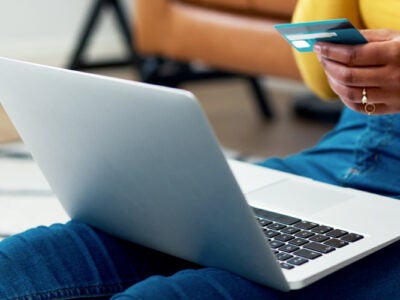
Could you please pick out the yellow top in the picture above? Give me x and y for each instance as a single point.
(370, 14)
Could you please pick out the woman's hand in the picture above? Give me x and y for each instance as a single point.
(374, 66)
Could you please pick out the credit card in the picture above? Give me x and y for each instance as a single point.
(304, 35)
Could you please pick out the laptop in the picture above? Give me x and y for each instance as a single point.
(142, 162)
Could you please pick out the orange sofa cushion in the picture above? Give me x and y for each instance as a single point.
(270, 7)
(225, 39)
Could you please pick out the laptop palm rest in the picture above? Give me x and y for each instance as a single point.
(302, 197)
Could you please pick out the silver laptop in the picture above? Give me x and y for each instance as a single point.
(141, 162)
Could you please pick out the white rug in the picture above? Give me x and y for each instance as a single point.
(26, 199)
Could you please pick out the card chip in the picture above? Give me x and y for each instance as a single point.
(301, 44)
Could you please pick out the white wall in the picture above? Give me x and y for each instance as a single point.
(45, 31)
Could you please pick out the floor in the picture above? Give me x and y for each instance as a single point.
(237, 123)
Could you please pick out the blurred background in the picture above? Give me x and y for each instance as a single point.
(46, 31)
(50, 32)
(226, 52)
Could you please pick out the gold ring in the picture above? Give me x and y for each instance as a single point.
(364, 98)
(369, 108)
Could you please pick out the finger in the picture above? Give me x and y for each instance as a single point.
(358, 107)
(371, 54)
(377, 35)
(383, 102)
(354, 76)
(371, 109)
(355, 94)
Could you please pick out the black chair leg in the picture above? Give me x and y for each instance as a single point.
(261, 97)
(149, 69)
(156, 70)
(77, 59)
(164, 72)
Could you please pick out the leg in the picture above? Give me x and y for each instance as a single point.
(361, 152)
(374, 277)
(73, 261)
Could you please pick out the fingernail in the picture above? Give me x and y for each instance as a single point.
(317, 50)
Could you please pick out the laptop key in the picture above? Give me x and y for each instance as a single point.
(284, 237)
(307, 254)
(276, 244)
(319, 238)
(286, 266)
(304, 234)
(275, 217)
(319, 247)
(336, 233)
(276, 226)
(298, 241)
(283, 256)
(336, 243)
(288, 248)
(271, 233)
(305, 225)
(290, 230)
(297, 261)
(351, 237)
(321, 229)
(263, 222)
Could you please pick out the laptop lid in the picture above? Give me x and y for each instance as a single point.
(139, 162)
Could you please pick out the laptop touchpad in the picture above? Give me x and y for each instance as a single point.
(305, 197)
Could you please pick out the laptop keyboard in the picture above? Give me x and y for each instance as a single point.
(296, 242)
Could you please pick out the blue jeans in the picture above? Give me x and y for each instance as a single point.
(362, 152)
(75, 261)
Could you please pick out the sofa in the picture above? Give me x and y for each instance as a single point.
(236, 36)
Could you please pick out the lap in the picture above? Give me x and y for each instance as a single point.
(77, 260)
(374, 277)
